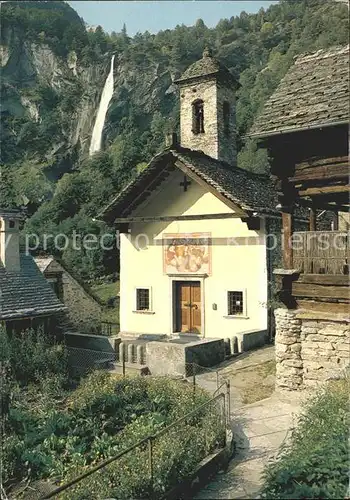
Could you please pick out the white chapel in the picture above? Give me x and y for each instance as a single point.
(195, 259)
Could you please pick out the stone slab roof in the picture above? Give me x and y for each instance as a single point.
(251, 192)
(205, 67)
(26, 293)
(314, 92)
(44, 263)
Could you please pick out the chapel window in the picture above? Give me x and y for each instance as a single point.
(143, 299)
(226, 117)
(198, 117)
(11, 224)
(236, 303)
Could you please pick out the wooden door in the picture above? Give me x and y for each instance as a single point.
(188, 307)
(196, 309)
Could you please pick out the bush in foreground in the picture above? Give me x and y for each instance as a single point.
(103, 416)
(315, 464)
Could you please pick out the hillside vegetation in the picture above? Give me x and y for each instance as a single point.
(51, 96)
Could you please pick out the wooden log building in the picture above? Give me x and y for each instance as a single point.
(304, 125)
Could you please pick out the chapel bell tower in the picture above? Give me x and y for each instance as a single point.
(208, 109)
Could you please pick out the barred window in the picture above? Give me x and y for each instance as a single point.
(235, 305)
(142, 299)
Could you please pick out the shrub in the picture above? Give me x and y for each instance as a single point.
(31, 355)
(102, 417)
(176, 453)
(315, 464)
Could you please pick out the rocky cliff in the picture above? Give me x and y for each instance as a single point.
(35, 82)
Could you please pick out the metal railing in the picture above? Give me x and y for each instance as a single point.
(321, 252)
(109, 328)
(138, 471)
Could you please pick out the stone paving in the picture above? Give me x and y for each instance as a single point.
(259, 428)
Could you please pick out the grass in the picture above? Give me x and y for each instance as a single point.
(255, 389)
(106, 292)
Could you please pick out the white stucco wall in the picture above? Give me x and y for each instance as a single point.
(234, 267)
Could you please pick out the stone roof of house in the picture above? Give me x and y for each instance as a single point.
(26, 293)
(250, 192)
(207, 66)
(43, 263)
(314, 93)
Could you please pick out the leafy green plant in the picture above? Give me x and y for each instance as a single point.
(102, 416)
(315, 464)
(31, 355)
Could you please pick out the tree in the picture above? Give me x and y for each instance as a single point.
(253, 158)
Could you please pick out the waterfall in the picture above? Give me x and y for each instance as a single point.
(106, 96)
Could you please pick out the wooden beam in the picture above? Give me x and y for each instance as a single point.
(211, 189)
(323, 206)
(319, 191)
(321, 173)
(314, 290)
(170, 218)
(314, 162)
(335, 221)
(122, 228)
(253, 223)
(324, 279)
(287, 230)
(324, 307)
(312, 221)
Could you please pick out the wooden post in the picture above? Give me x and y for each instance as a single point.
(312, 225)
(287, 228)
(336, 221)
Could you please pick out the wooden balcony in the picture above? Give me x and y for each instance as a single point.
(321, 252)
(319, 279)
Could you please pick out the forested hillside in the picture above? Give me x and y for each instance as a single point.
(53, 71)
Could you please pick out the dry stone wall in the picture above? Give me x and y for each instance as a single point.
(309, 352)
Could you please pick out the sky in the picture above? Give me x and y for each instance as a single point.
(160, 15)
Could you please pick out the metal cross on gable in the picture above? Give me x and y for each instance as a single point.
(185, 183)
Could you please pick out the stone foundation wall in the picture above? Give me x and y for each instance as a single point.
(309, 352)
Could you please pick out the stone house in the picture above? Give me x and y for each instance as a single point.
(83, 307)
(304, 125)
(195, 258)
(26, 298)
